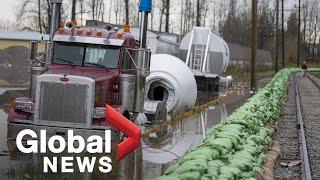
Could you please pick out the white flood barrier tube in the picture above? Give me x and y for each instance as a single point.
(170, 80)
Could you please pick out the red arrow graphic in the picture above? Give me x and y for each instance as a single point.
(132, 131)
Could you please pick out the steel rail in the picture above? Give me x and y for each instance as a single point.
(313, 81)
(306, 172)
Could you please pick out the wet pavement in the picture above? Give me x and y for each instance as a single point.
(158, 151)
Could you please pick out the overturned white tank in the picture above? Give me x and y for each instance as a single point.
(152, 38)
(172, 81)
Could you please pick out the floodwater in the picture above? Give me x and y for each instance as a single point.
(158, 151)
(164, 148)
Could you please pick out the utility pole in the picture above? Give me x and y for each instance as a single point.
(276, 63)
(299, 24)
(282, 24)
(253, 45)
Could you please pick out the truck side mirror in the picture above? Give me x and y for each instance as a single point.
(140, 59)
(143, 61)
(142, 66)
(36, 67)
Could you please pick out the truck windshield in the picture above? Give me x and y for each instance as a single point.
(86, 55)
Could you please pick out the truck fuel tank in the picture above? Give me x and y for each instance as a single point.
(126, 87)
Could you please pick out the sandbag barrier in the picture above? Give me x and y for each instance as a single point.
(234, 149)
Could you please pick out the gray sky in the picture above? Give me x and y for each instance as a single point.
(7, 9)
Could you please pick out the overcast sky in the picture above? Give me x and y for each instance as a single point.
(7, 9)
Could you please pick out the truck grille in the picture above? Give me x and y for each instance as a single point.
(63, 102)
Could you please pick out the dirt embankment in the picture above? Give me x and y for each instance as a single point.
(14, 65)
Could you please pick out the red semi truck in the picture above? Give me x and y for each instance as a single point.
(82, 70)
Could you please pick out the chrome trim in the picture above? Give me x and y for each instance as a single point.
(88, 83)
(88, 40)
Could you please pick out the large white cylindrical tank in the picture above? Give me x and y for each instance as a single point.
(152, 38)
(218, 50)
(171, 79)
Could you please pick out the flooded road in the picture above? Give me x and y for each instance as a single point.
(158, 151)
(163, 148)
(4, 107)
(166, 146)
(5, 162)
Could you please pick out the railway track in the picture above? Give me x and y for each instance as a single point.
(307, 97)
(299, 130)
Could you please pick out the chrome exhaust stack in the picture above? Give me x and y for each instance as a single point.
(36, 67)
(39, 66)
(144, 56)
(55, 10)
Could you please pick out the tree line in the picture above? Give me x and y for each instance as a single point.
(230, 18)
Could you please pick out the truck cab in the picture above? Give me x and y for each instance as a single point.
(85, 69)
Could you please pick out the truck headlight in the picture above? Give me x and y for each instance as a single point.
(23, 106)
(99, 112)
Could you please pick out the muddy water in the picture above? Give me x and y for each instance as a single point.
(3, 120)
(165, 147)
(158, 151)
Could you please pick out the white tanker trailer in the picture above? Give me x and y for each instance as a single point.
(174, 82)
(206, 54)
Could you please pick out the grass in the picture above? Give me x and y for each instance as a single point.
(241, 75)
(11, 171)
(4, 83)
(238, 74)
(289, 64)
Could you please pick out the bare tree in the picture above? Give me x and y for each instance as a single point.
(82, 10)
(116, 9)
(305, 11)
(27, 12)
(161, 14)
(315, 27)
(167, 14)
(73, 10)
(39, 16)
(7, 25)
(126, 5)
(34, 15)
(96, 9)
(181, 15)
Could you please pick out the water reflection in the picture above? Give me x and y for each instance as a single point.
(189, 133)
(4, 155)
(158, 151)
(16, 165)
